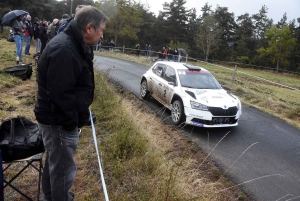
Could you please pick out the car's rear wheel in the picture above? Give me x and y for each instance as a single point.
(177, 112)
(144, 89)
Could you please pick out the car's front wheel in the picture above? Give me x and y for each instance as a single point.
(144, 89)
(177, 112)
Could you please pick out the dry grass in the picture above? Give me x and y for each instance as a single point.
(180, 156)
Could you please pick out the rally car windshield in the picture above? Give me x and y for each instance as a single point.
(197, 79)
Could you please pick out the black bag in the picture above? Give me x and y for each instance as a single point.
(23, 71)
(10, 38)
(19, 139)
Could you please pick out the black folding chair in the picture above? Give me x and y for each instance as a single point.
(35, 161)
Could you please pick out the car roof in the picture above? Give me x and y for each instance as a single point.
(179, 65)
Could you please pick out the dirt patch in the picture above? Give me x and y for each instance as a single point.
(18, 101)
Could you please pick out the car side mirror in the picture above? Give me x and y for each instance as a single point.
(171, 83)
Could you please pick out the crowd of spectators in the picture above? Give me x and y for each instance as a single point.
(42, 31)
(170, 54)
(23, 28)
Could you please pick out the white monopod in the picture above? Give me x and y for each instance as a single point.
(100, 167)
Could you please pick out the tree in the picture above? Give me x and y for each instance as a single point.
(59, 9)
(295, 55)
(206, 10)
(176, 18)
(227, 25)
(280, 45)
(246, 43)
(125, 24)
(282, 23)
(147, 27)
(209, 36)
(108, 7)
(261, 22)
(193, 30)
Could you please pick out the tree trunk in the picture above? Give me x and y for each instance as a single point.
(277, 67)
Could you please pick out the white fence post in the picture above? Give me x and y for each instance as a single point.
(233, 75)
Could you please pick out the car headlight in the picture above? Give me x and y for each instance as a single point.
(198, 106)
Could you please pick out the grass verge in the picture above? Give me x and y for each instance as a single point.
(143, 159)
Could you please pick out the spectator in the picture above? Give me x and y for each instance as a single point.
(179, 56)
(65, 92)
(149, 50)
(175, 57)
(18, 29)
(64, 22)
(43, 34)
(138, 49)
(111, 45)
(28, 34)
(164, 52)
(36, 35)
(146, 50)
(98, 45)
(53, 29)
(170, 54)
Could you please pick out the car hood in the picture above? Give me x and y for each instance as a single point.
(213, 97)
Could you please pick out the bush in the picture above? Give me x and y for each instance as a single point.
(4, 32)
(243, 59)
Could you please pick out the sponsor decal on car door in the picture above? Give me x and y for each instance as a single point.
(167, 93)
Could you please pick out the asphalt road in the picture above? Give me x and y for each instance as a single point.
(263, 152)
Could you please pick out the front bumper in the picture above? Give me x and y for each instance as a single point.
(206, 119)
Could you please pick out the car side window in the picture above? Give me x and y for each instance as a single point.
(154, 69)
(170, 75)
(159, 70)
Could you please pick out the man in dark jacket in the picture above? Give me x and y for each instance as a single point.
(65, 92)
(36, 35)
(43, 34)
(64, 22)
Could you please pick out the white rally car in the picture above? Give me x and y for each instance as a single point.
(192, 94)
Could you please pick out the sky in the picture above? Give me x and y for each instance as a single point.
(276, 8)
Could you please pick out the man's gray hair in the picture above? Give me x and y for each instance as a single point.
(90, 14)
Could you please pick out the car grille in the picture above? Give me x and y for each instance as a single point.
(216, 120)
(217, 111)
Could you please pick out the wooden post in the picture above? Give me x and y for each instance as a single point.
(233, 75)
(123, 49)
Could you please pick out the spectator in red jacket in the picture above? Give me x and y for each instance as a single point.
(28, 34)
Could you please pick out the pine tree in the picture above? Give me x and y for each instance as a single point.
(281, 43)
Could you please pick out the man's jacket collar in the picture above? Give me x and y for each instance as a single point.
(74, 31)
